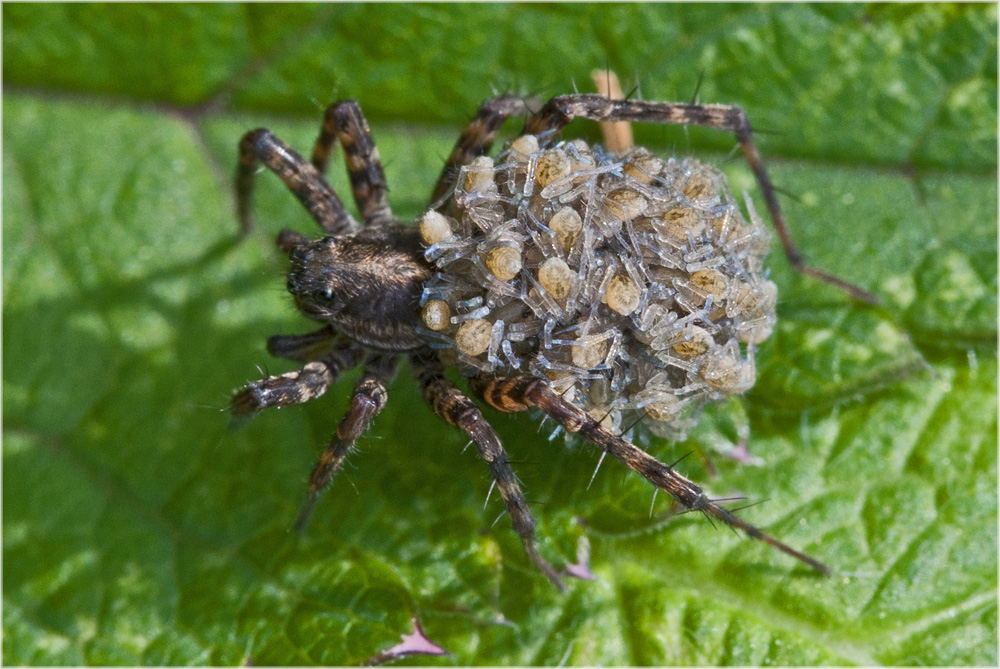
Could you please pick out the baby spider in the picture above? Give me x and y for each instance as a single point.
(604, 289)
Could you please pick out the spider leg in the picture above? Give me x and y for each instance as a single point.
(370, 397)
(344, 121)
(477, 138)
(323, 366)
(305, 182)
(519, 393)
(449, 403)
(559, 111)
(314, 346)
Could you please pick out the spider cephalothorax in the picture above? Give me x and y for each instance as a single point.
(596, 287)
(367, 285)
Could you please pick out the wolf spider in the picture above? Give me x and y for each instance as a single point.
(363, 282)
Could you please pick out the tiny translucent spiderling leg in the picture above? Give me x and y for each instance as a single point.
(344, 120)
(477, 138)
(450, 404)
(559, 111)
(306, 183)
(519, 393)
(370, 397)
(325, 360)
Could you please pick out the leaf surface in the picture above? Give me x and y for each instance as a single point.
(139, 530)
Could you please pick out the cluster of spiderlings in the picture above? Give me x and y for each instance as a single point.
(632, 283)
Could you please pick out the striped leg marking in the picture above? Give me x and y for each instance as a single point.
(453, 406)
(477, 138)
(306, 183)
(559, 111)
(519, 393)
(345, 121)
(370, 397)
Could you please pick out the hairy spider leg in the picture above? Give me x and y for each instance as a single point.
(559, 111)
(521, 392)
(307, 347)
(449, 403)
(282, 390)
(344, 120)
(476, 139)
(324, 364)
(306, 183)
(370, 397)
(324, 352)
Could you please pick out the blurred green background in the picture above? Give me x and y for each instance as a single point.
(139, 530)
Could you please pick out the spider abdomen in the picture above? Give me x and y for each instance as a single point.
(633, 284)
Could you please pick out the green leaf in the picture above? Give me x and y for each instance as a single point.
(139, 530)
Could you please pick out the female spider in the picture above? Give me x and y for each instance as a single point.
(604, 289)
